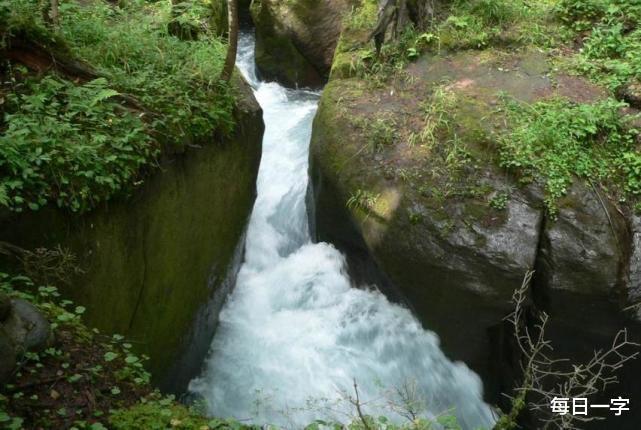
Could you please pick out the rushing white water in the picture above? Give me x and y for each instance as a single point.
(295, 335)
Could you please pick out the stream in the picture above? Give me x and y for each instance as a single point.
(295, 336)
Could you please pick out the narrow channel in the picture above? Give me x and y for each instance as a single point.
(295, 335)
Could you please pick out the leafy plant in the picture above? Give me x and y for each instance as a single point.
(76, 145)
(556, 140)
(69, 144)
(499, 201)
(611, 39)
(160, 413)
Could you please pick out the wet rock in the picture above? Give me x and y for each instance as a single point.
(295, 41)
(634, 276)
(26, 327)
(582, 250)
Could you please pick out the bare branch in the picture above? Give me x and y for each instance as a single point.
(545, 378)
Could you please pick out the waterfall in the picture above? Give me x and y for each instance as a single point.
(295, 334)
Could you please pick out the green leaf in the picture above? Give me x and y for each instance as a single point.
(131, 359)
(110, 356)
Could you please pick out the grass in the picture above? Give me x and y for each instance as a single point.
(437, 116)
(483, 23)
(609, 39)
(555, 140)
(76, 144)
(174, 78)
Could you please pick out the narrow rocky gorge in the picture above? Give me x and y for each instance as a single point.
(436, 243)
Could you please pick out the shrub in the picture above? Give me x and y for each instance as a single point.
(69, 144)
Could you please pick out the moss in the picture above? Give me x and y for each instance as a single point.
(153, 260)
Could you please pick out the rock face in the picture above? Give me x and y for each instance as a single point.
(634, 274)
(156, 261)
(454, 238)
(583, 252)
(295, 41)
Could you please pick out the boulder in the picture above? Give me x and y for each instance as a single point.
(452, 233)
(295, 40)
(26, 327)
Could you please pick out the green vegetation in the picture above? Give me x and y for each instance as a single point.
(381, 133)
(363, 199)
(610, 39)
(482, 23)
(50, 388)
(76, 142)
(177, 80)
(437, 112)
(551, 141)
(499, 201)
(556, 140)
(68, 143)
(160, 413)
(462, 24)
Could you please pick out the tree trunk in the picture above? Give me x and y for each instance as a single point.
(55, 14)
(230, 60)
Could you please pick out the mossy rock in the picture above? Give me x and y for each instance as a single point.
(155, 263)
(460, 231)
(295, 40)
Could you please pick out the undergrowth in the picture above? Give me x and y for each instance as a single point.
(75, 143)
(484, 23)
(85, 379)
(609, 39)
(70, 144)
(556, 140)
(476, 24)
(176, 79)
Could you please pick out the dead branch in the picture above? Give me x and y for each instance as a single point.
(356, 402)
(545, 377)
